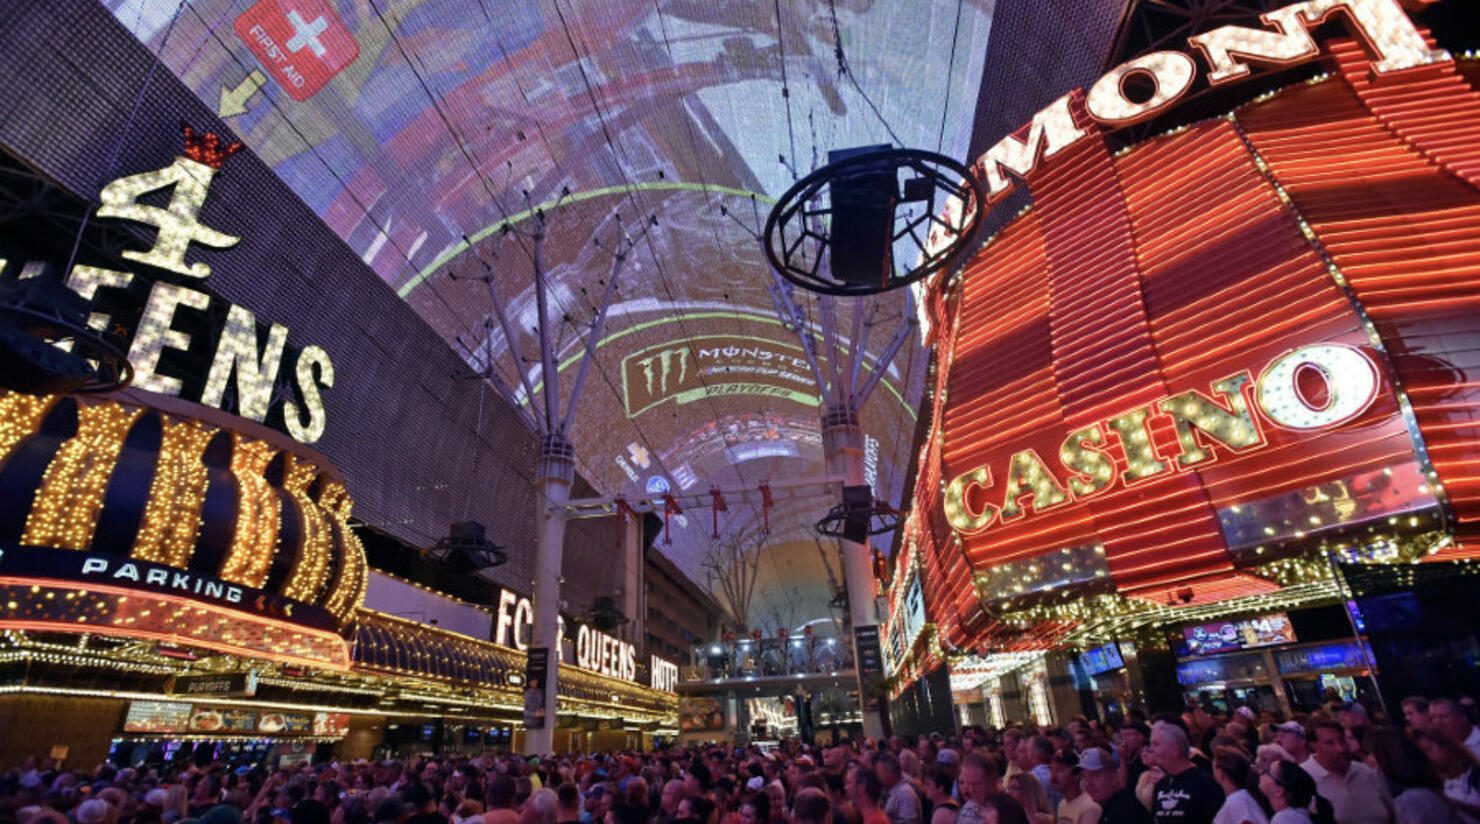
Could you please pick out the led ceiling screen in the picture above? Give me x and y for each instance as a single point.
(423, 132)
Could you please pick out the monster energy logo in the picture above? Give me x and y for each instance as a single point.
(709, 366)
(657, 368)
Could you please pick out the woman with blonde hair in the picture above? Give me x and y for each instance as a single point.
(1027, 790)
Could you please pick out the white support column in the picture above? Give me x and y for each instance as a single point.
(633, 605)
(555, 472)
(842, 445)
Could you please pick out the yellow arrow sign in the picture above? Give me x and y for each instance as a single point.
(234, 101)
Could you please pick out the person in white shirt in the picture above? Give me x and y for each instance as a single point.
(1236, 776)
(1075, 805)
(1358, 794)
(1448, 717)
(1291, 792)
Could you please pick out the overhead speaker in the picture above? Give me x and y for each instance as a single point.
(863, 198)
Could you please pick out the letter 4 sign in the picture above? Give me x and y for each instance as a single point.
(302, 43)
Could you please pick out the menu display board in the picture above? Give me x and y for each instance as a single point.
(285, 722)
(1226, 636)
(156, 716)
(331, 723)
(697, 713)
(181, 717)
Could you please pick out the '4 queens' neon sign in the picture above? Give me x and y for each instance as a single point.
(238, 351)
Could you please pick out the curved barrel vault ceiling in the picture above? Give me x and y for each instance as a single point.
(459, 117)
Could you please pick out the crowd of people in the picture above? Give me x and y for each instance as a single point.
(1340, 765)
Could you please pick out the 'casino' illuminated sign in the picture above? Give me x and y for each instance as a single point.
(244, 369)
(1229, 51)
(1314, 387)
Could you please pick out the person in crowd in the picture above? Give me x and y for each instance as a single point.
(1040, 750)
(756, 809)
(1417, 792)
(568, 803)
(696, 809)
(543, 807)
(1415, 712)
(1292, 794)
(1132, 739)
(667, 801)
(1025, 790)
(1104, 782)
(980, 785)
(1447, 717)
(1457, 768)
(811, 806)
(866, 792)
(1267, 754)
(1185, 794)
(1292, 736)
(1075, 805)
(948, 760)
(901, 804)
(1358, 795)
(598, 801)
(938, 791)
(1243, 803)
(499, 801)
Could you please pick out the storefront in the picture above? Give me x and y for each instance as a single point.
(180, 576)
(1183, 388)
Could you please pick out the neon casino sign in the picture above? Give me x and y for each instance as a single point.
(1286, 394)
(1229, 50)
(240, 356)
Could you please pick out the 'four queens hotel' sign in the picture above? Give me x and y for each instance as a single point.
(181, 340)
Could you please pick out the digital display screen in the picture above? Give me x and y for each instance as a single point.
(415, 128)
(1247, 633)
(1102, 659)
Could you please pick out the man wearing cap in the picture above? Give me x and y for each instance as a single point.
(950, 761)
(1105, 785)
(1075, 807)
(1291, 736)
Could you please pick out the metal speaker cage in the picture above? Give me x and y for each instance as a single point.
(881, 518)
(467, 549)
(799, 230)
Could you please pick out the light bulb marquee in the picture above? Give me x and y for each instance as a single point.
(122, 519)
(1190, 373)
(183, 342)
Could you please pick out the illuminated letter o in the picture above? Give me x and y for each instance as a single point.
(1351, 380)
(1171, 71)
